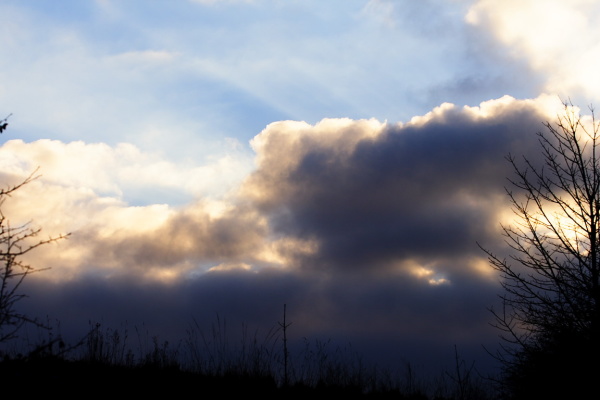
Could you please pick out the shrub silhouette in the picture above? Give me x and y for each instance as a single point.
(550, 316)
(15, 242)
(104, 361)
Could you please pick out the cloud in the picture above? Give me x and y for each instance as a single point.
(368, 230)
(559, 39)
(113, 198)
(375, 195)
(342, 195)
(125, 172)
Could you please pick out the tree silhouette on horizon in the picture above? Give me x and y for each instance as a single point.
(550, 315)
(15, 242)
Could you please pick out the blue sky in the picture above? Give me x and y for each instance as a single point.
(336, 148)
(179, 77)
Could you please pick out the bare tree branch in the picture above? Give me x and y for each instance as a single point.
(551, 281)
(15, 242)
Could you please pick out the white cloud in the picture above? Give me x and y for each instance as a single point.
(560, 39)
(124, 171)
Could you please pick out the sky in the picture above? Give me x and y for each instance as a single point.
(226, 157)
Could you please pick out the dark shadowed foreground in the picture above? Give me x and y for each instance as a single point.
(103, 364)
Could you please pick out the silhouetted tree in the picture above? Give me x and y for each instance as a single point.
(15, 242)
(550, 315)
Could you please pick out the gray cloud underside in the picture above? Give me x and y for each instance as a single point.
(375, 205)
(428, 191)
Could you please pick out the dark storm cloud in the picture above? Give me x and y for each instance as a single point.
(387, 321)
(425, 190)
(379, 225)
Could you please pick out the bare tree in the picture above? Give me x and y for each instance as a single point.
(550, 312)
(15, 242)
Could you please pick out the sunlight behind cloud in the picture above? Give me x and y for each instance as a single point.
(432, 277)
(228, 267)
(437, 112)
(558, 38)
(294, 138)
(281, 253)
(548, 104)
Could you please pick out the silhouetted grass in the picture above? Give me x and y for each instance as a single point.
(108, 360)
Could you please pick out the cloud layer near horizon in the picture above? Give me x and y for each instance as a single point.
(355, 224)
(318, 194)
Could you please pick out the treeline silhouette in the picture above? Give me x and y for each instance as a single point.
(105, 362)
